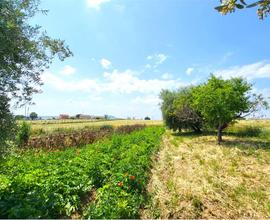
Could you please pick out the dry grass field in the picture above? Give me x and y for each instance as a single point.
(49, 126)
(193, 177)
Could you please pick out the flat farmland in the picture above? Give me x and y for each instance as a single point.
(49, 126)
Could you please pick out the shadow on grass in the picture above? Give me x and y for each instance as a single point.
(242, 140)
(191, 134)
(244, 144)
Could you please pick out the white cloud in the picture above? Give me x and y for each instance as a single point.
(249, 71)
(68, 70)
(157, 59)
(96, 4)
(161, 58)
(106, 64)
(114, 82)
(128, 82)
(189, 70)
(167, 76)
(60, 84)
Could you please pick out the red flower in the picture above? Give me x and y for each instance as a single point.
(132, 177)
(120, 184)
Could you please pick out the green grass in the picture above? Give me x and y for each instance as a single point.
(102, 180)
(196, 178)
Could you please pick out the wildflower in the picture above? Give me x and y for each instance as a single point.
(120, 184)
(132, 177)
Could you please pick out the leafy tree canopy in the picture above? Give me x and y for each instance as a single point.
(25, 50)
(177, 111)
(33, 115)
(222, 101)
(228, 6)
(7, 123)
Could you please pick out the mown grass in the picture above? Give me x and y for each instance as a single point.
(196, 178)
(45, 127)
(102, 180)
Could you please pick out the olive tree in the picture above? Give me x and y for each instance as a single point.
(177, 111)
(7, 122)
(25, 52)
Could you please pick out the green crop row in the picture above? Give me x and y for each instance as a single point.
(102, 180)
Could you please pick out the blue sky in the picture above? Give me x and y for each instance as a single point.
(126, 51)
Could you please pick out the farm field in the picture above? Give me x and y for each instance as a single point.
(148, 173)
(194, 177)
(82, 81)
(102, 180)
(50, 126)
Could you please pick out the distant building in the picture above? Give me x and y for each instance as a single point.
(94, 117)
(63, 116)
(97, 117)
(82, 116)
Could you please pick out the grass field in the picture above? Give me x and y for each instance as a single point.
(194, 177)
(49, 126)
(144, 174)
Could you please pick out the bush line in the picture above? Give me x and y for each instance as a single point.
(78, 138)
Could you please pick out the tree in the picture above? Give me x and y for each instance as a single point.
(33, 115)
(147, 118)
(220, 101)
(7, 122)
(19, 117)
(228, 6)
(25, 52)
(177, 112)
(167, 108)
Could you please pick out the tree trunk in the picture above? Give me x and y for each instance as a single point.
(219, 134)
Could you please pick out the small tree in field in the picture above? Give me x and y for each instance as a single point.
(187, 117)
(222, 101)
(33, 115)
(177, 111)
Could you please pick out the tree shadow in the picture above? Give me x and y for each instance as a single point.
(190, 134)
(241, 141)
(245, 144)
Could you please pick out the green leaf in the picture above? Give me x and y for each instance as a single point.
(254, 4)
(243, 2)
(239, 6)
(220, 8)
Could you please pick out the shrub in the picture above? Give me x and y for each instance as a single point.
(69, 138)
(23, 134)
(107, 128)
(126, 129)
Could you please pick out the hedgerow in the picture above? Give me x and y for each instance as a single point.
(77, 138)
(56, 184)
